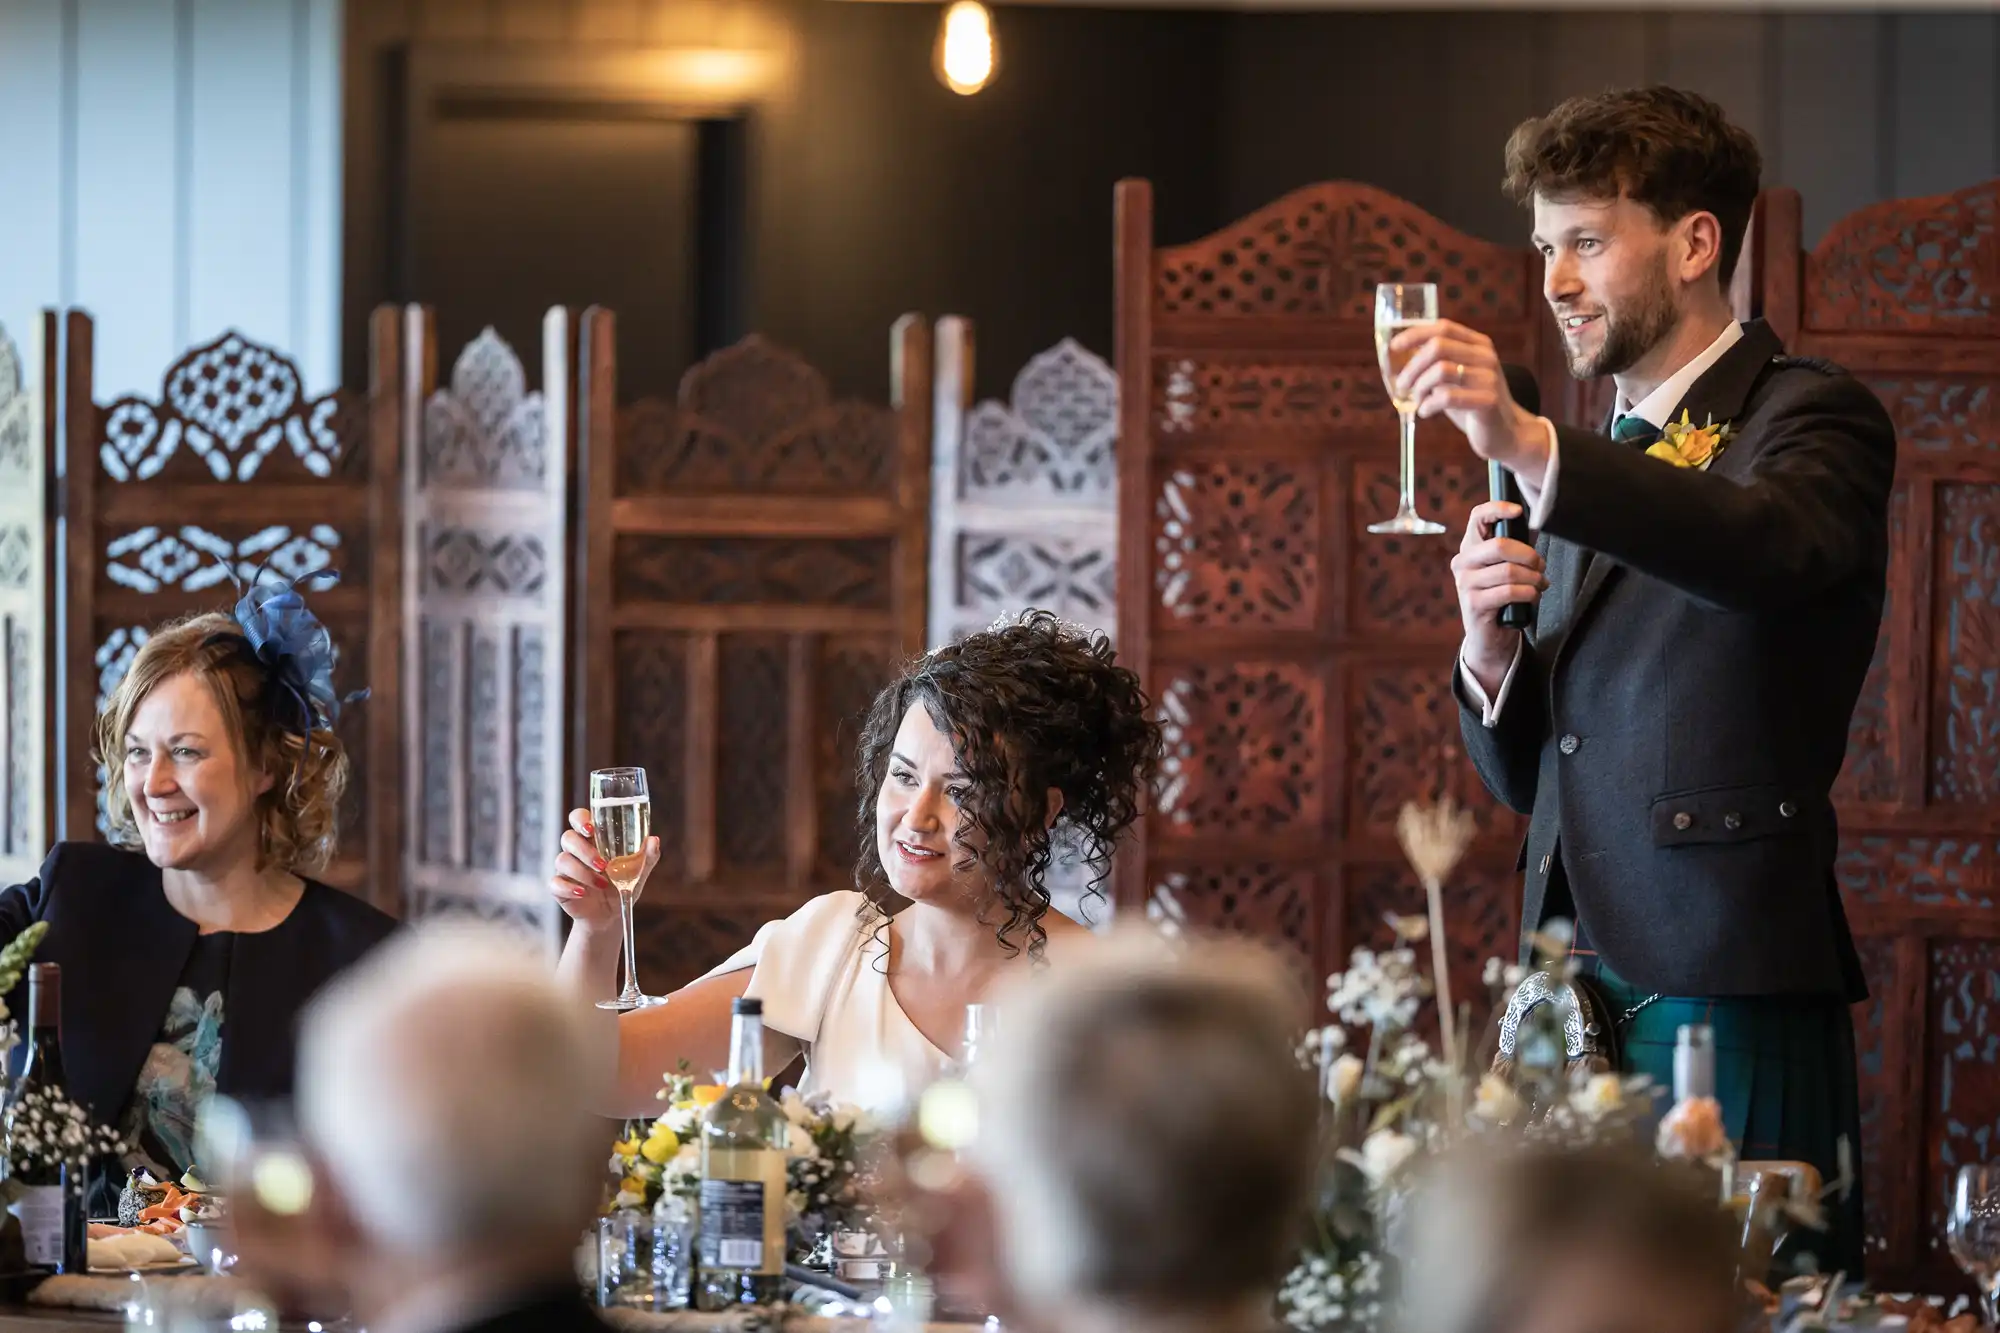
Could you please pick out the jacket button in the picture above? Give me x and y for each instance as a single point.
(1568, 744)
(1683, 821)
(1732, 821)
(1787, 809)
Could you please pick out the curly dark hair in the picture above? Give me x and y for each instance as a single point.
(1673, 151)
(1029, 706)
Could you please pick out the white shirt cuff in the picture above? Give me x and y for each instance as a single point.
(1540, 498)
(1489, 711)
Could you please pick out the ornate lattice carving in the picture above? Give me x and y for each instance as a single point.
(1243, 748)
(1918, 871)
(193, 558)
(649, 683)
(1056, 441)
(1238, 544)
(436, 711)
(678, 944)
(1321, 250)
(739, 571)
(1964, 1114)
(1939, 416)
(485, 753)
(1270, 903)
(1266, 396)
(531, 760)
(1403, 745)
(17, 437)
(851, 673)
(1918, 265)
(464, 560)
(1403, 584)
(536, 921)
(17, 555)
(114, 658)
(1482, 920)
(755, 417)
(20, 738)
(486, 429)
(1876, 1086)
(1965, 698)
(232, 403)
(997, 573)
(750, 763)
(1869, 773)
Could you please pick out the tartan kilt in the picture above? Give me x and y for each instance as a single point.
(1785, 1077)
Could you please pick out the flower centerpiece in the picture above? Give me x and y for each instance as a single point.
(826, 1146)
(13, 962)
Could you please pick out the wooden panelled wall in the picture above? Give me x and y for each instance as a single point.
(1905, 295)
(752, 558)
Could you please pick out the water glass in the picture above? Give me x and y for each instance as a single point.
(1972, 1232)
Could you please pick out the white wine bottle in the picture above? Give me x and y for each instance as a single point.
(743, 1136)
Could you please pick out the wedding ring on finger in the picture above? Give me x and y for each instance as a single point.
(1458, 372)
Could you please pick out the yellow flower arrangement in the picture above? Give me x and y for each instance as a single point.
(1684, 444)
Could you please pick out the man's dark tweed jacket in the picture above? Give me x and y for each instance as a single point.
(1677, 721)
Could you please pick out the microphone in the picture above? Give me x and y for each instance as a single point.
(1500, 485)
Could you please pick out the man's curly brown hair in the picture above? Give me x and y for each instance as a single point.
(1673, 151)
(298, 818)
(1029, 707)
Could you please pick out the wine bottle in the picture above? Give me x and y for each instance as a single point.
(743, 1137)
(51, 1208)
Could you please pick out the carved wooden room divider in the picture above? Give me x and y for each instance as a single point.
(1301, 665)
(233, 468)
(1906, 295)
(486, 607)
(752, 563)
(27, 599)
(1024, 513)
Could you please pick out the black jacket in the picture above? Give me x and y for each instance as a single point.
(122, 949)
(1680, 714)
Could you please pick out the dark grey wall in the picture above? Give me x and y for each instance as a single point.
(875, 191)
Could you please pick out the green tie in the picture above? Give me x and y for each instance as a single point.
(1628, 428)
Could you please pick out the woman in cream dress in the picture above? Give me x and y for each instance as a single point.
(969, 762)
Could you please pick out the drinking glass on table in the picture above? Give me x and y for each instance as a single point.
(621, 817)
(1398, 306)
(1972, 1231)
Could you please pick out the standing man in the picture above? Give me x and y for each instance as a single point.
(1708, 601)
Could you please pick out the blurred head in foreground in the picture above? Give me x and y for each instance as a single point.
(1587, 1240)
(442, 1090)
(1146, 1136)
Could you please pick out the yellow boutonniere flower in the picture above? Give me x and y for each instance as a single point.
(1684, 444)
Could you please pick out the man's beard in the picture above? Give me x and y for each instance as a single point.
(1630, 330)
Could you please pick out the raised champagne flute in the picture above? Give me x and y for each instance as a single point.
(1398, 306)
(621, 818)
(1972, 1231)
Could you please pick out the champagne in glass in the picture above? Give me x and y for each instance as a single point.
(1398, 306)
(621, 819)
(1973, 1233)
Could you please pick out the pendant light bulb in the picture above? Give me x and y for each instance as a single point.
(967, 54)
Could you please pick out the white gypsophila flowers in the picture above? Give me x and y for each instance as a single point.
(1378, 990)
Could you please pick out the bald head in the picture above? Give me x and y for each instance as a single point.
(442, 1074)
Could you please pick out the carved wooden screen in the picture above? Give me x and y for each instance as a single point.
(1024, 512)
(27, 598)
(484, 546)
(1301, 664)
(233, 468)
(753, 560)
(1906, 295)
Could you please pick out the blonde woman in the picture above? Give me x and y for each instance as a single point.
(190, 946)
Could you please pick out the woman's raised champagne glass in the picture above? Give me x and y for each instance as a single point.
(1398, 306)
(1973, 1233)
(621, 818)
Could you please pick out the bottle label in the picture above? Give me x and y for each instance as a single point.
(39, 1210)
(732, 1224)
